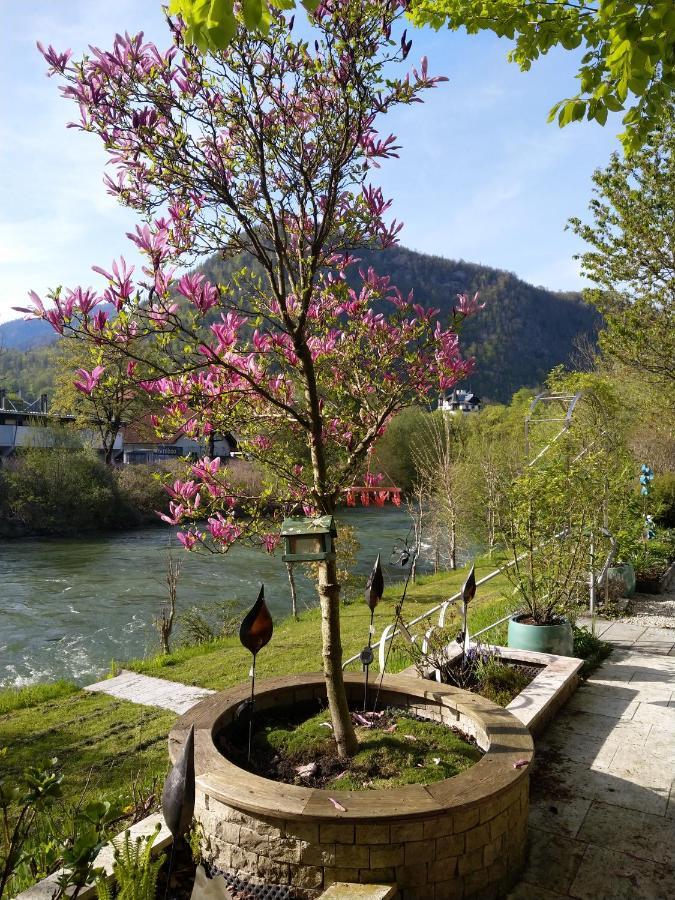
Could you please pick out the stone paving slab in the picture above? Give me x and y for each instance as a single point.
(602, 809)
(151, 691)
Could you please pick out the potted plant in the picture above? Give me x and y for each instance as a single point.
(543, 519)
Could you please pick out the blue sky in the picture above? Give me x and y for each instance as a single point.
(482, 176)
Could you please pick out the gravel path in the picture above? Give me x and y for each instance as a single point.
(651, 610)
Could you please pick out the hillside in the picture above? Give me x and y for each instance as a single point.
(517, 339)
(523, 332)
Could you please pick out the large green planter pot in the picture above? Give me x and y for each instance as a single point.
(627, 572)
(541, 638)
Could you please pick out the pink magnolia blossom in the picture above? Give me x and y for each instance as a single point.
(270, 542)
(467, 305)
(88, 381)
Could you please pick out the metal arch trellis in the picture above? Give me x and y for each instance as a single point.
(568, 402)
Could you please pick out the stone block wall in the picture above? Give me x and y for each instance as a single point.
(475, 852)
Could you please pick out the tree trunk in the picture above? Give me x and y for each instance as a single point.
(210, 445)
(294, 593)
(329, 595)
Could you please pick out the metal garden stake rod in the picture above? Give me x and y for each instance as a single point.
(468, 593)
(406, 559)
(374, 591)
(254, 633)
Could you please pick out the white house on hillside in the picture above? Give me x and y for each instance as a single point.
(460, 401)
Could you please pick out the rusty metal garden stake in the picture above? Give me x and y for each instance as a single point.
(254, 633)
(374, 591)
(468, 593)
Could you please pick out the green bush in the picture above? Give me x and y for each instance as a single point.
(589, 648)
(62, 491)
(663, 499)
(142, 490)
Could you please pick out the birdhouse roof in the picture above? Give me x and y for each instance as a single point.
(298, 525)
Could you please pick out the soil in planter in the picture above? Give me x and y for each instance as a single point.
(395, 748)
(500, 682)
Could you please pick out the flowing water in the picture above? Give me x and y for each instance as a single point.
(69, 607)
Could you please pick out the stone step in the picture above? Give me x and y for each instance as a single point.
(150, 691)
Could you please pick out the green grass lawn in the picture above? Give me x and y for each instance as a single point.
(117, 750)
(296, 646)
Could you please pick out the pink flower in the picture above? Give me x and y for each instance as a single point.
(270, 542)
(36, 311)
(88, 380)
(187, 538)
(176, 512)
(57, 61)
(467, 305)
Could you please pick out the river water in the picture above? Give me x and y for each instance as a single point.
(69, 607)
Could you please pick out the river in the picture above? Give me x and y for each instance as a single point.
(69, 607)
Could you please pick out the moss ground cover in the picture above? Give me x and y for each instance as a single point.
(394, 749)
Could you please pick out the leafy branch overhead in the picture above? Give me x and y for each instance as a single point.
(628, 61)
(211, 24)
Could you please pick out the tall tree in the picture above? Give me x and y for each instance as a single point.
(632, 257)
(264, 148)
(629, 58)
(103, 397)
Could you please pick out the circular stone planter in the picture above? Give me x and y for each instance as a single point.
(461, 837)
(541, 638)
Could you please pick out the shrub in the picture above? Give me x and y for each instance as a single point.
(663, 497)
(141, 488)
(63, 491)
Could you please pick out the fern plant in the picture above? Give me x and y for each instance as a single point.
(134, 870)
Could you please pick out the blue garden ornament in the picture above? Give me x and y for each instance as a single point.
(646, 478)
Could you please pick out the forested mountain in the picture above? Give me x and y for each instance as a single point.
(517, 339)
(523, 332)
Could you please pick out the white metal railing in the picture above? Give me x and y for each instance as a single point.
(391, 631)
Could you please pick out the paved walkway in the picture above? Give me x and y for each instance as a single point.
(602, 819)
(151, 691)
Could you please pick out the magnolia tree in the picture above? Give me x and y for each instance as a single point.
(264, 149)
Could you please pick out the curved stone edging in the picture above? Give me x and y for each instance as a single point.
(457, 837)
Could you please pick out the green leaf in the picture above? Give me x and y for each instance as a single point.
(252, 10)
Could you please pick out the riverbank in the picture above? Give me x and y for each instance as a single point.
(116, 750)
(71, 606)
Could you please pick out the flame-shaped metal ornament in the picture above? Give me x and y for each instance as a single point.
(257, 626)
(374, 592)
(469, 586)
(178, 794)
(375, 585)
(254, 633)
(468, 593)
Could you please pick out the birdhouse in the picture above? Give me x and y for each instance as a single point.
(308, 540)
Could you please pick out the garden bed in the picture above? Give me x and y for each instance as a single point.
(555, 678)
(465, 834)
